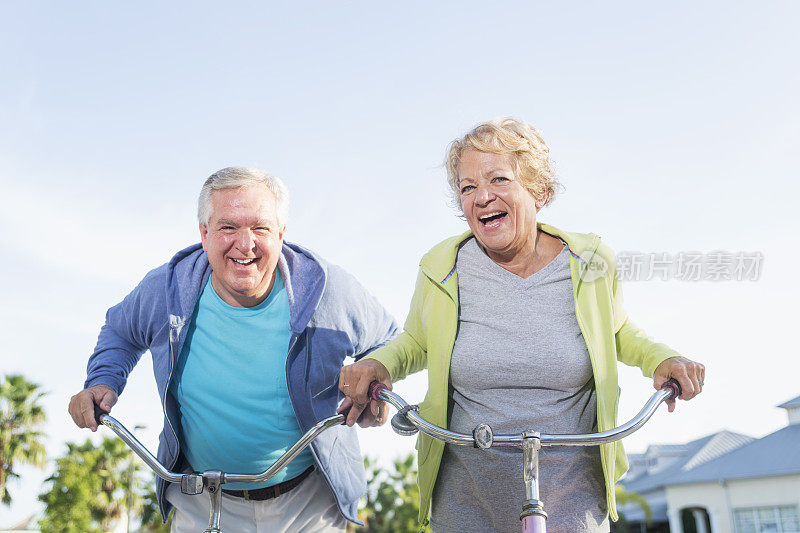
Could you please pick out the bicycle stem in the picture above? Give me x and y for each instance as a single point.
(531, 444)
(214, 479)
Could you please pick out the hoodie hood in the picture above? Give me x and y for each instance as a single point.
(305, 277)
(187, 274)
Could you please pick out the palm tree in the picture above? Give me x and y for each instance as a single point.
(112, 459)
(87, 491)
(20, 441)
(150, 514)
(392, 498)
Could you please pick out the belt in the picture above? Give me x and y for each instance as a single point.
(267, 493)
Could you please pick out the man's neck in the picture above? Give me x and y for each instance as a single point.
(236, 299)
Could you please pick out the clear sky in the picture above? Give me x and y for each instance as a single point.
(674, 128)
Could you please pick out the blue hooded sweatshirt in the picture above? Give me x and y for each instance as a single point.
(331, 317)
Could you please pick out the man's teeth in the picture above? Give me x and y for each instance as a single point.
(243, 261)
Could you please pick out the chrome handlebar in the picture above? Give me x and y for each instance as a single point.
(175, 477)
(212, 480)
(407, 421)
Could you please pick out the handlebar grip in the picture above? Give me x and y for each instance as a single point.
(345, 413)
(374, 388)
(98, 411)
(673, 385)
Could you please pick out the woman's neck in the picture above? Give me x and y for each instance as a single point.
(537, 253)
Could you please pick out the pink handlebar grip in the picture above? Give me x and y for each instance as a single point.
(674, 387)
(374, 388)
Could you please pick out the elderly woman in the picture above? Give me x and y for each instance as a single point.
(520, 326)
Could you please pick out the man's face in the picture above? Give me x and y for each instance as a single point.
(243, 241)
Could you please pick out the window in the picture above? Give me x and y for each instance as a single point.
(779, 519)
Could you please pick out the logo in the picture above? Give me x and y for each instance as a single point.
(593, 269)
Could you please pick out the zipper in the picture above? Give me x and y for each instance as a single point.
(594, 372)
(451, 345)
(295, 337)
(174, 335)
(175, 327)
(592, 360)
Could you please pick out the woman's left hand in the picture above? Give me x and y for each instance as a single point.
(690, 376)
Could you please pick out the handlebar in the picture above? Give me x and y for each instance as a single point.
(102, 417)
(212, 480)
(407, 421)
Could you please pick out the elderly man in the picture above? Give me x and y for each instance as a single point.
(247, 334)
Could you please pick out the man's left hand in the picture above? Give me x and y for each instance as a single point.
(690, 376)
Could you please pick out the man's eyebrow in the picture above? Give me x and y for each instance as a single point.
(259, 222)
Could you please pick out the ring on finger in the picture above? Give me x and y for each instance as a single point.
(345, 385)
(701, 383)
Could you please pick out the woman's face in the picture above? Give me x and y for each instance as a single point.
(499, 210)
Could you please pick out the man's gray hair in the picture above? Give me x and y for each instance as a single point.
(235, 177)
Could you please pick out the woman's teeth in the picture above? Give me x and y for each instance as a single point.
(243, 261)
(492, 219)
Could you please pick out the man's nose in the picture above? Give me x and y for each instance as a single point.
(245, 239)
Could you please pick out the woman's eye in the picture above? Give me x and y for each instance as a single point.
(500, 178)
(466, 188)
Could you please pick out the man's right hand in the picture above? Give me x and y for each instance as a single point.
(81, 406)
(354, 382)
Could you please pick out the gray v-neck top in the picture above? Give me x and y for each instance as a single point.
(519, 363)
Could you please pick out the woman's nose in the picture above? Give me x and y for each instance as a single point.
(483, 195)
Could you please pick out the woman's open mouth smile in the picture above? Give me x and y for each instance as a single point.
(493, 219)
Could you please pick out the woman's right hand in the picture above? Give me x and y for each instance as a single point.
(354, 382)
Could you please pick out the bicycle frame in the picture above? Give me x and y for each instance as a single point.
(407, 421)
(212, 480)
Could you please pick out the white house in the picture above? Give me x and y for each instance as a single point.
(722, 483)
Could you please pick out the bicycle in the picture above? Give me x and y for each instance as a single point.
(194, 483)
(407, 421)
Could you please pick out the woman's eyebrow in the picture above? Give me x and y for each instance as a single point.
(501, 170)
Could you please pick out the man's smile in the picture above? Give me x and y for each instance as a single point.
(244, 261)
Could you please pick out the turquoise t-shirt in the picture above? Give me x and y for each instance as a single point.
(230, 383)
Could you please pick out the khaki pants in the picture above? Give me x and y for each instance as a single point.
(309, 507)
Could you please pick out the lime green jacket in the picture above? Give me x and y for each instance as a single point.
(430, 332)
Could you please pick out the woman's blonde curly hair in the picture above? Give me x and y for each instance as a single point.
(508, 136)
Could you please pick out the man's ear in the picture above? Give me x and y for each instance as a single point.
(203, 235)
